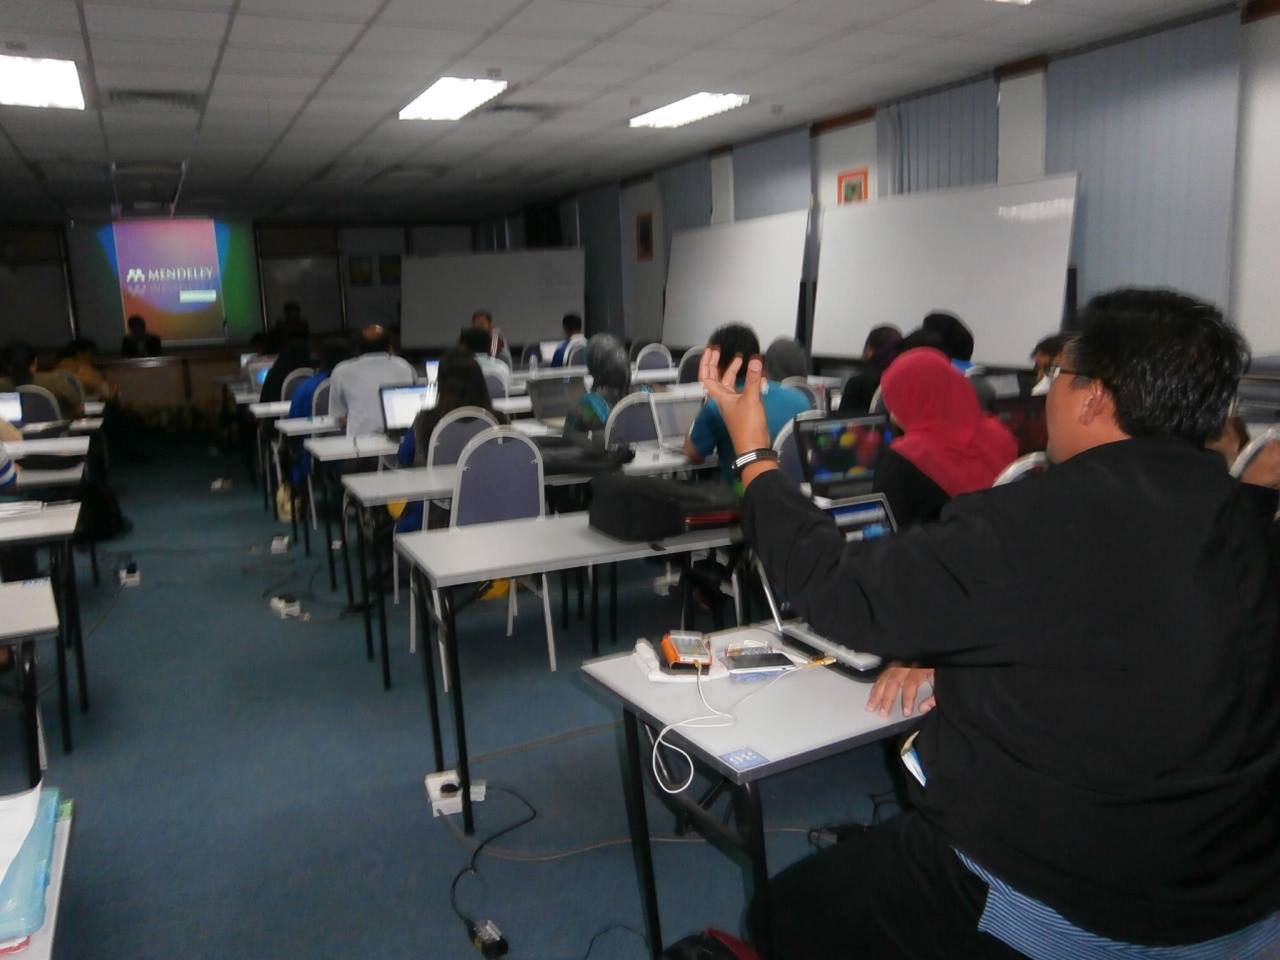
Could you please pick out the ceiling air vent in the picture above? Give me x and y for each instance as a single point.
(180, 100)
(534, 111)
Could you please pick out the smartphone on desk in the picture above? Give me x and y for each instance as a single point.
(757, 661)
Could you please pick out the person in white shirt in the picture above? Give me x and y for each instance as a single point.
(354, 399)
(477, 341)
(497, 346)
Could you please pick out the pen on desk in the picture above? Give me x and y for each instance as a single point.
(819, 662)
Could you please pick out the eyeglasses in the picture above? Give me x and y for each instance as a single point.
(1056, 369)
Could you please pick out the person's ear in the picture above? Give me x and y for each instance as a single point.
(1097, 404)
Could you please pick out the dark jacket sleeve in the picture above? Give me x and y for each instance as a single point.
(928, 594)
(912, 496)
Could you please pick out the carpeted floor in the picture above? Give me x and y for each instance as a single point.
(245, 788)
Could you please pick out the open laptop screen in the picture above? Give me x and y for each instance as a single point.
(675, 416)
(841, 454)
(401, 404)
(554, 397)
(431, 370)
(11, 408)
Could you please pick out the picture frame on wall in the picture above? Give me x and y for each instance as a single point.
(360, 271)
(389, 269)
(852, 185)
(644, 237)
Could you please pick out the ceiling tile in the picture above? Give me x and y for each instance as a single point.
(230, 82)
(946, 18)
(1045, 30)
(387, 38)
(484, 14)
(775, 36)
(842, 14)
(355, 10)
(132, 22)
(614, 53)
(277, 63)
(292, 34)
(506, 47)
(550, 93)
(867, 45)
(110, 51)
(681, 30)
(193, 80)
(958, 52)
(58, 46)
(747, 8)
(39, 16)
(569, 19)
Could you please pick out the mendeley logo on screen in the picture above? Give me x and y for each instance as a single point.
(159, 274)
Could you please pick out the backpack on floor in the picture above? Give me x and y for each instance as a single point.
(712, 945)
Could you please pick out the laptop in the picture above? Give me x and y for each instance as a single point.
(401, 404)
(1003, 386)
(255, 372)
(11, 408)
(547, 350)
(675, 416)
(431, 370)
(840, 455)
(1025, 418)
(552, 398)
(245, 359)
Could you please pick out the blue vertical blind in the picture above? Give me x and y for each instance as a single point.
(939, 140)
(686, 197)
(598, 218)
(1150, 126)
(772, 176)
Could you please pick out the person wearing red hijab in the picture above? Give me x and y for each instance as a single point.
(949, 446)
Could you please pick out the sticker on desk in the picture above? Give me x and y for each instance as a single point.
(744, 759)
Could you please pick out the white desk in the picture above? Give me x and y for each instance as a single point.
(306, 426)
(53, 527)
(660, 375)
(41, 945)
(94, 408)
(245, 397)
(52, 446)
(346, 447)
(64, 479)
(825, 714)
(533, 428)
(27, 611)
(445, 559)
(85, 425)
(513, 406)
(269, 411)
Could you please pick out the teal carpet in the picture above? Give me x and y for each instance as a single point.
(245, 788)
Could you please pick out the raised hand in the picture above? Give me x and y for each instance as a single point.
(743, 412)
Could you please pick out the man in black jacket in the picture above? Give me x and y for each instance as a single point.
(1102, 766)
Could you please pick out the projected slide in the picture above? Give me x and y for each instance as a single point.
(169, 275)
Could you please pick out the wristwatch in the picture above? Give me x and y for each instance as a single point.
(753, 456)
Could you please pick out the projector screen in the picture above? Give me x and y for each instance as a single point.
(746, 272)
(527, 292)
(994, 256)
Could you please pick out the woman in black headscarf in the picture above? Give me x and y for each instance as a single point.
(611, 379)
(785, 358)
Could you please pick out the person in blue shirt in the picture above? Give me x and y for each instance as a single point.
(8, 472)
(781, 404)
(572, 324)
(957, 340)
(332, 353)
(610, 371)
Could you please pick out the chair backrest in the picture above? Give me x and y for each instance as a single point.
(653, 356)
(787, 448)
(802, 384)
(576, 355)
(1245, 457)
(294, 380)
(497, 386)
(499, 478)
(531, 357)
(38, 404)
(631, 420)
(454, 431)
(320, 400)
(877, 403)
(1024, 466)
(688, 372)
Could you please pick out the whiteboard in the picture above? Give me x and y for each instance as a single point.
(746, 272)
(994, 256)
(528, 292)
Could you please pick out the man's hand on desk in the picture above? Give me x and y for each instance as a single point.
(1264, 469)
(743, 413)
(897, 679)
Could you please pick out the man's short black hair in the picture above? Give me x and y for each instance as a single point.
(734, 339)
(1171, 362)
(921, 338)
(474, 339)
(572, 323)
(77, 346)
(482, 313)
(374, 339)
(1050, 346)
(882, 336)
(136, 322)
(957, 340)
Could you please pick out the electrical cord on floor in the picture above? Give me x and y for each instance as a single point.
(609, 929)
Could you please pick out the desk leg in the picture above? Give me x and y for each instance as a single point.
(335, 496)
(293, 513)
(613, 604)
(30, 709)
(304, 497)
(77, 631)
(751, 824)
(633, 790)
(381, 593)
(60, 645)
(93, 562)
(263, 466)
(427, 649)
(582, 592)
(366, 608)
(318, 473)
(459, 721)
(595, 612)
(564, 599)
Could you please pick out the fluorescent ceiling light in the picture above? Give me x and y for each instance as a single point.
(1021, 3)
(697, 107)
(451, 98)
(33, 82)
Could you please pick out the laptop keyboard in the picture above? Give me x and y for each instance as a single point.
(801, 634)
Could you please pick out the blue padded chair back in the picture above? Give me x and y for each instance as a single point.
(688, 372)
(801, 384)
(654, 357)
(454, 432)
(788, 450)
(576, 355)
(293, 381)
(38, 404)
(320, 400)
(631, 420)
(499, 478)
(495, 385)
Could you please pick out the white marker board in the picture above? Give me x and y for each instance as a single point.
(994, 256)
(746, 272)
(528, 292)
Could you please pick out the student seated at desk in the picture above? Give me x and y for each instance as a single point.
(497, 348)
(610, 370)
(785, 358)
(949, 446)
(881, 348)
(477, 342)
(1100, 773)
(20, 368)
(332, 352)
(572, 325)
(295, 352)
(76, 358)
(957, 339)
(781, 404)
(354, 398)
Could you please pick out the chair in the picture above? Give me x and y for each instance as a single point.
(576, 355)
(877, 403)
(787, 449)
(531, 357)
(1245, 457)
(294, 380)
(802, 384)
(500, 478)
(38, 404)
(496, 385)
(688, 372)
(631, 420)
(654, 356)
(320, 400)
(1025, 466)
